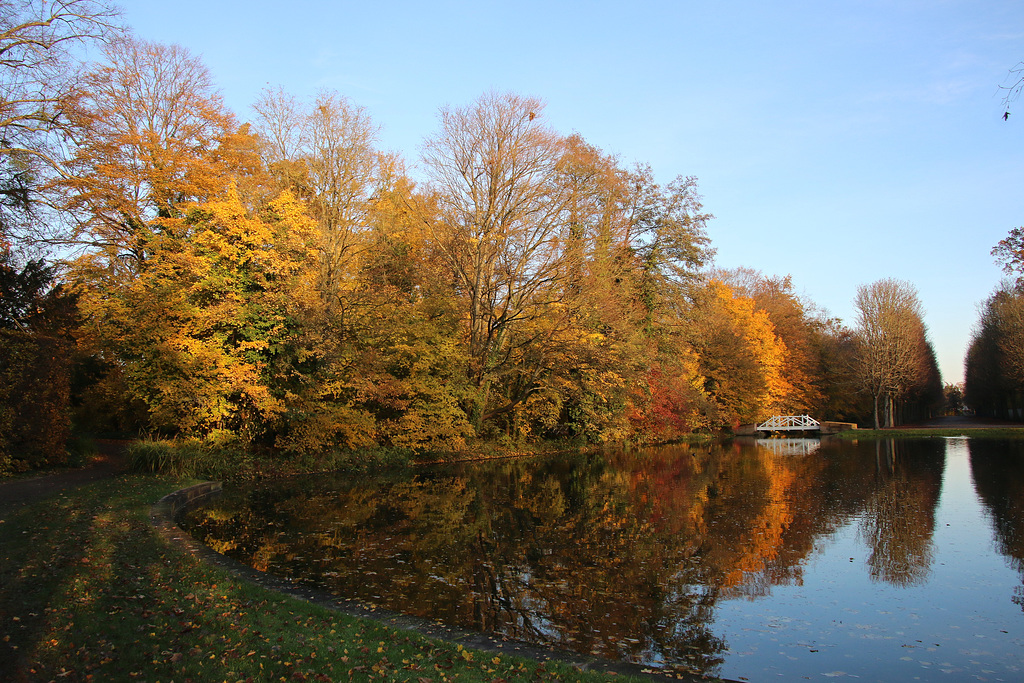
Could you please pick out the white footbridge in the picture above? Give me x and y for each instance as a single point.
(789, 423)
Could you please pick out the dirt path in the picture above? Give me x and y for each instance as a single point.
(20, 492)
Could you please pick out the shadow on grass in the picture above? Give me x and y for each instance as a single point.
(88, 591)
(80, 582)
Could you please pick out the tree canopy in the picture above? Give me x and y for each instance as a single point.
(285, 284)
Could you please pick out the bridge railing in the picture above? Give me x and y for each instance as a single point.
(784, 423)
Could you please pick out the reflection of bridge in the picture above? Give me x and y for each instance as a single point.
(792, 447)
(789, 423)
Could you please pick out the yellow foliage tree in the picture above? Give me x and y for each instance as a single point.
(206, 333)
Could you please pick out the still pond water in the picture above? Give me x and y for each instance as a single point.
(783, 559)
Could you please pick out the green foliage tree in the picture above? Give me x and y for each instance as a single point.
(36, 358)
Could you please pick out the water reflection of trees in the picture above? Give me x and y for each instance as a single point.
(899, 518)
(620, 554)
(998, 471)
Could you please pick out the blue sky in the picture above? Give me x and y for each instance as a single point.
(836, 142)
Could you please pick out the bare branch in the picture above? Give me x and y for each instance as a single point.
(1016, 78)
(38, 85)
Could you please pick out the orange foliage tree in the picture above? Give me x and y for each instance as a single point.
(740, 356)
(152, 136)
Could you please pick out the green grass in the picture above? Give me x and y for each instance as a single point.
(973, 432)
(90, 592)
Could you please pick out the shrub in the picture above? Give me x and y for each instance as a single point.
(189, 458)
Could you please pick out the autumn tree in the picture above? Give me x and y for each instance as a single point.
(986, 390)
(279, 123)
(617, 369)
(38, 85)
(797, 324)
(207, 334)
(401, 352)
(1008, 312)
(994, 365)
(647, 255)
(924, 398)
(153, 135)
(1009, 253)
(325, 152)
(836, 348)
(36, 316)
(739, 357)
(493, 170)
(565, 261)
(595, 361)
(820, 360)
(384, 341)
(666, 231)
(893, 346)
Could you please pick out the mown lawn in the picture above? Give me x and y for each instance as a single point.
(90, 592)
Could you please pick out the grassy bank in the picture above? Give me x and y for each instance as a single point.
(89, 591)
(973, 432)
(189, 458)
